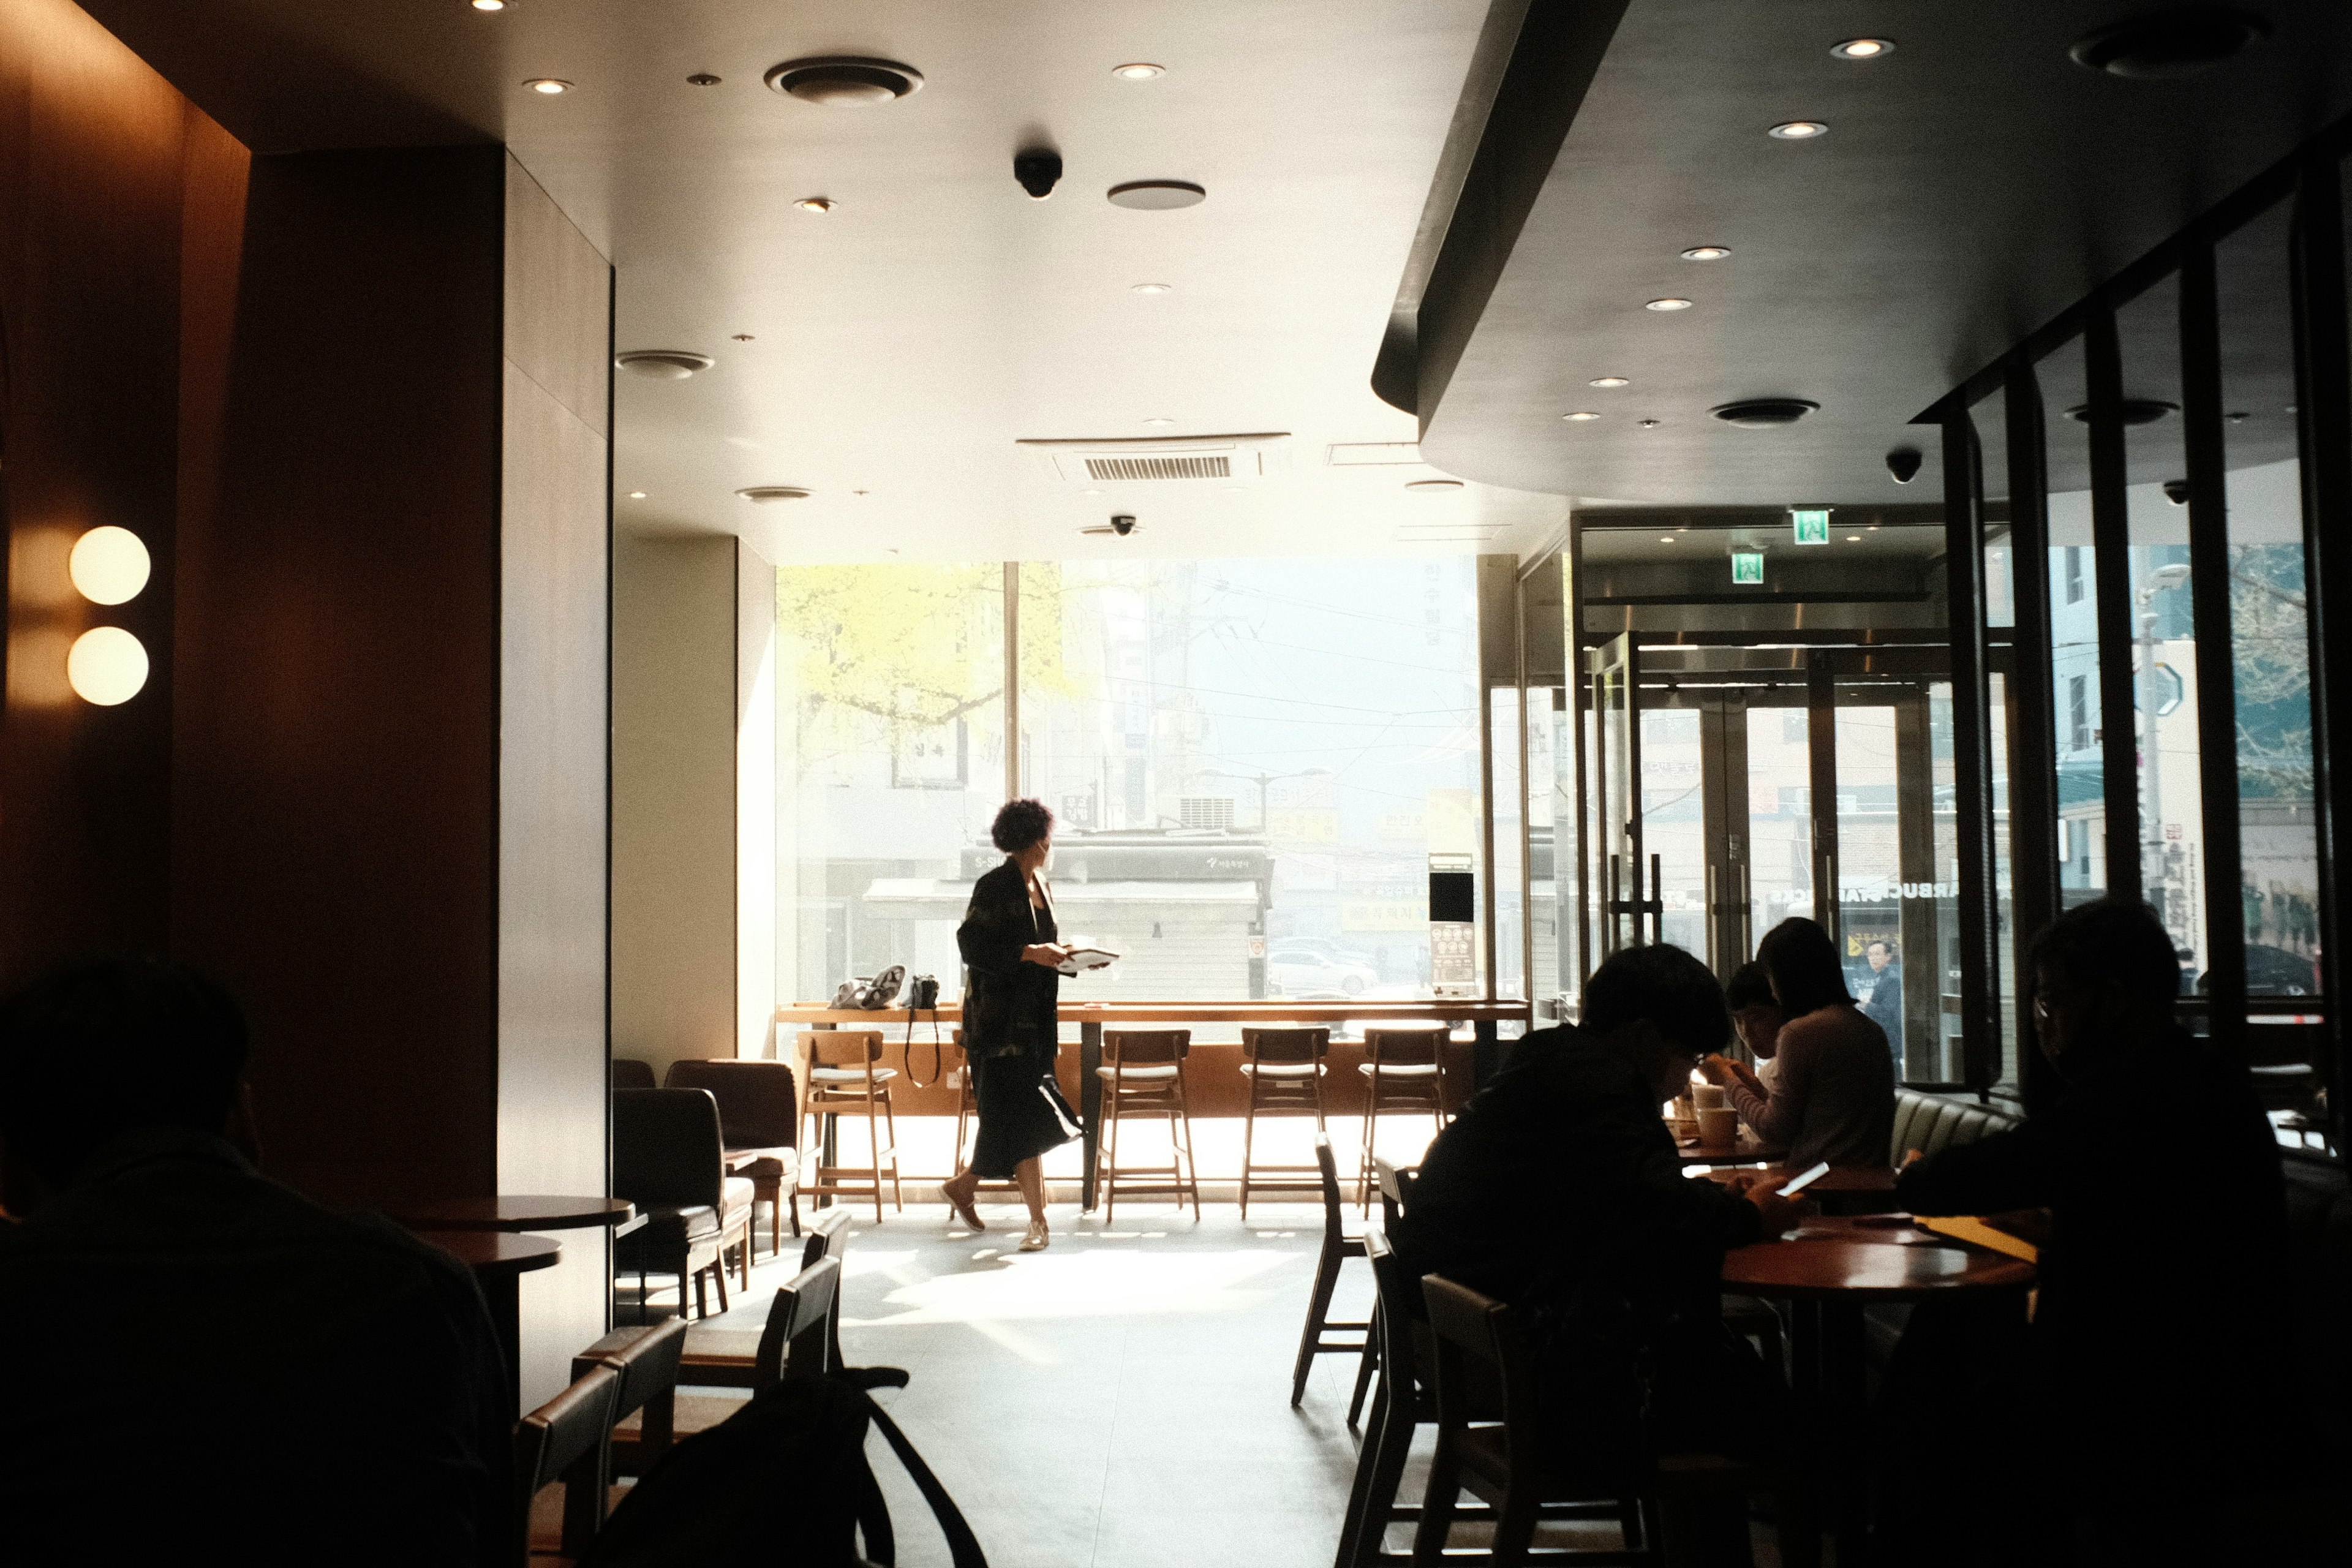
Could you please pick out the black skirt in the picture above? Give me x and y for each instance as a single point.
(1022, 1112)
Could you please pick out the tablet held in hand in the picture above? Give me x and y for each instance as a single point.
(1082, 959)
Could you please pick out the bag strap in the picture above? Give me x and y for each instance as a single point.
(938, 1056)
(963, 1547)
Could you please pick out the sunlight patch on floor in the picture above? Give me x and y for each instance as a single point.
(1084, 1284)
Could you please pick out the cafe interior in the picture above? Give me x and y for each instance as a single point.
(540, 533)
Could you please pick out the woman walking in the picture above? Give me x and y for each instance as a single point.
(1008, 942)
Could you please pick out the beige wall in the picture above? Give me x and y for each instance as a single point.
(756, 765)
(673, 814)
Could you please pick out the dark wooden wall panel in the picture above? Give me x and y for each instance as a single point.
(336, 789)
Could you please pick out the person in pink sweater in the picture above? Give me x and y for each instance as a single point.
(1833, 1092)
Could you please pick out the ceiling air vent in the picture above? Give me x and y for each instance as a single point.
(1221, 459)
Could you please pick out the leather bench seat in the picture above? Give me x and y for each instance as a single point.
(1932, 1122)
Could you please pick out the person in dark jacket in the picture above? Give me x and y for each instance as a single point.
(1885, 1006)
(1559, 1190)
(2151, 1381)
(197, 1354)
(1009, 943)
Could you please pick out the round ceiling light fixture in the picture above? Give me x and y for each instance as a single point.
(1798, 130)
(109, 565)
(1863, 49)
(702, 78)
(814, 203)
(1160, 422)
(769, 495)
(548, 86)
(1151, 289)
(1137, 70)
(1432, 487)
(1764, 412)
(2131, 410)
(1649, 424)
(106, 665)
(1707, 252)
(637, 495)
(1111, 530)
(1667, 305)
(663, 364)
(1582, 416)
(1609, 381)
(845, 82)
(489, 5)
(2170, 45)
(1157, 196)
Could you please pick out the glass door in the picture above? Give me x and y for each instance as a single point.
(1617, 794)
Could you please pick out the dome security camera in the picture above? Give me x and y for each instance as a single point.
(1122, 525)
(1902, 463)
(1039, 170)
(2176, 491)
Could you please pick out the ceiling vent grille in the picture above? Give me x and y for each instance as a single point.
(1218, 467)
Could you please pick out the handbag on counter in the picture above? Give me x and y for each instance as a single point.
(871, 995)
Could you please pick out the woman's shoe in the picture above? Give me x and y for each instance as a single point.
(963, 1207)
(1038, 1238)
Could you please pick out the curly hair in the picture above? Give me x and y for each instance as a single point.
(1019, 823)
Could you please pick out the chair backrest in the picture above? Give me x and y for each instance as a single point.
(1414, 1047)
(628, 1073)
(1327, 1168)
(1480, 1357)
(1146, 1047)
(757, 1108)
(842, 1047)
(1397, 1316)
(667, 1147)
(828, 1237)
(797, 1341)
(648, 1365)
(1288, 1047)
(1396, 1188)
(568, 1438)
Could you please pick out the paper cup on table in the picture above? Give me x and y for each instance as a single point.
(1709, 1095)
(1718, 1127)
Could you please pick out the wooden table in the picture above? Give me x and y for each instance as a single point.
(1092, 1017)
(500, 1260)
(523, 1212)
(1746, 1150)
(1827, 1269)
(1842, 1189)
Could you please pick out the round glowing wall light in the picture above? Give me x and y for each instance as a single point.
(549, 86)
(1667, 305)
(109, 565)
(1798, 130)
(106, 665)
(1863, 48)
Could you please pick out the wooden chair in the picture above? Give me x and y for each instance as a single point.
(1285, 1070)
(669, 1159)
(846, 1075)
(796, 1343)
(1395, 1183)
(1338, 1247)
(1143, 1075)
(1477, 1349)
(647, 1363)
(628, 1073)
(1404, 1398)
(758, 1129)
(968, 1113)
(565, 1440)
(1400, 1068)
(730, 1358)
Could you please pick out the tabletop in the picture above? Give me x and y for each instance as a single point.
(525, 1211)
(1871, 1257)
(1272, 1010)
(1746, 1150)
(493, 1254)
(1836, 1179)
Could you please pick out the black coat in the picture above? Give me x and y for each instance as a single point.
(1008, 1003)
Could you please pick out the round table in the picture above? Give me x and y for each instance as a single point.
(1842, 1189)
(1827, 1269)
(518, 1212)
(500, 1260)
(1746, 1150)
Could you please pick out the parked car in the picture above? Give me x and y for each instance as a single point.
(1294, 971)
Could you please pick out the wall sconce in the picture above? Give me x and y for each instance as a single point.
(107, 665)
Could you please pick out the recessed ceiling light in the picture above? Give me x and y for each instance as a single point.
(1432, 487)
(1581, 415)
(1863, 49)
(1156, 196)
(550, 85)
(1160, 422)
(814, 203)
(769, 495)
(845, 82)
(1609, 381)
(1151, 288)
(1798, 130)
(637, 495)
(1648, 424)
(1090, 492)
(745, 337)
(1138, 71)
(663, 364)
(1667, 305)
(1853, 538)
(1707, 252)
(1665, 538)
(489, 5)
(702, 78)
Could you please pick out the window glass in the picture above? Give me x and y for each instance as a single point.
(1257, 763)
(1780, 817)
(2074, 633)
(1674, 823)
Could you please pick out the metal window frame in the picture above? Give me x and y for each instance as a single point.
(1964, 597)
(2035, 852)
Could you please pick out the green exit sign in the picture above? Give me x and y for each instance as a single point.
(1813, 524)
(1747, 566)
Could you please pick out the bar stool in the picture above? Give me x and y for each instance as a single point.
(1142, 1073)
(968, 1113)
(844, 1072)
(1285, 1068)
(1400, 1068)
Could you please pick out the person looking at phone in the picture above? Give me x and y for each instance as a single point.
(1832, 1096)
(1011, 945)
(1559, 1190)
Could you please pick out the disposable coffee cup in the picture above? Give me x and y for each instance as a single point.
(1718, 1127)
(1709, 1095)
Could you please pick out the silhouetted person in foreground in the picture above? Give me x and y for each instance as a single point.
(195, 1361)
(2151, 1390)
(1559, 1190)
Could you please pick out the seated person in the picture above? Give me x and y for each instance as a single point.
(1833, 1092)
(2152, 1367)
(197, 1354)
(1756, 1019)
(1559, 1190)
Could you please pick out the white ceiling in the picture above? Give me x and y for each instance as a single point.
(906, 341)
